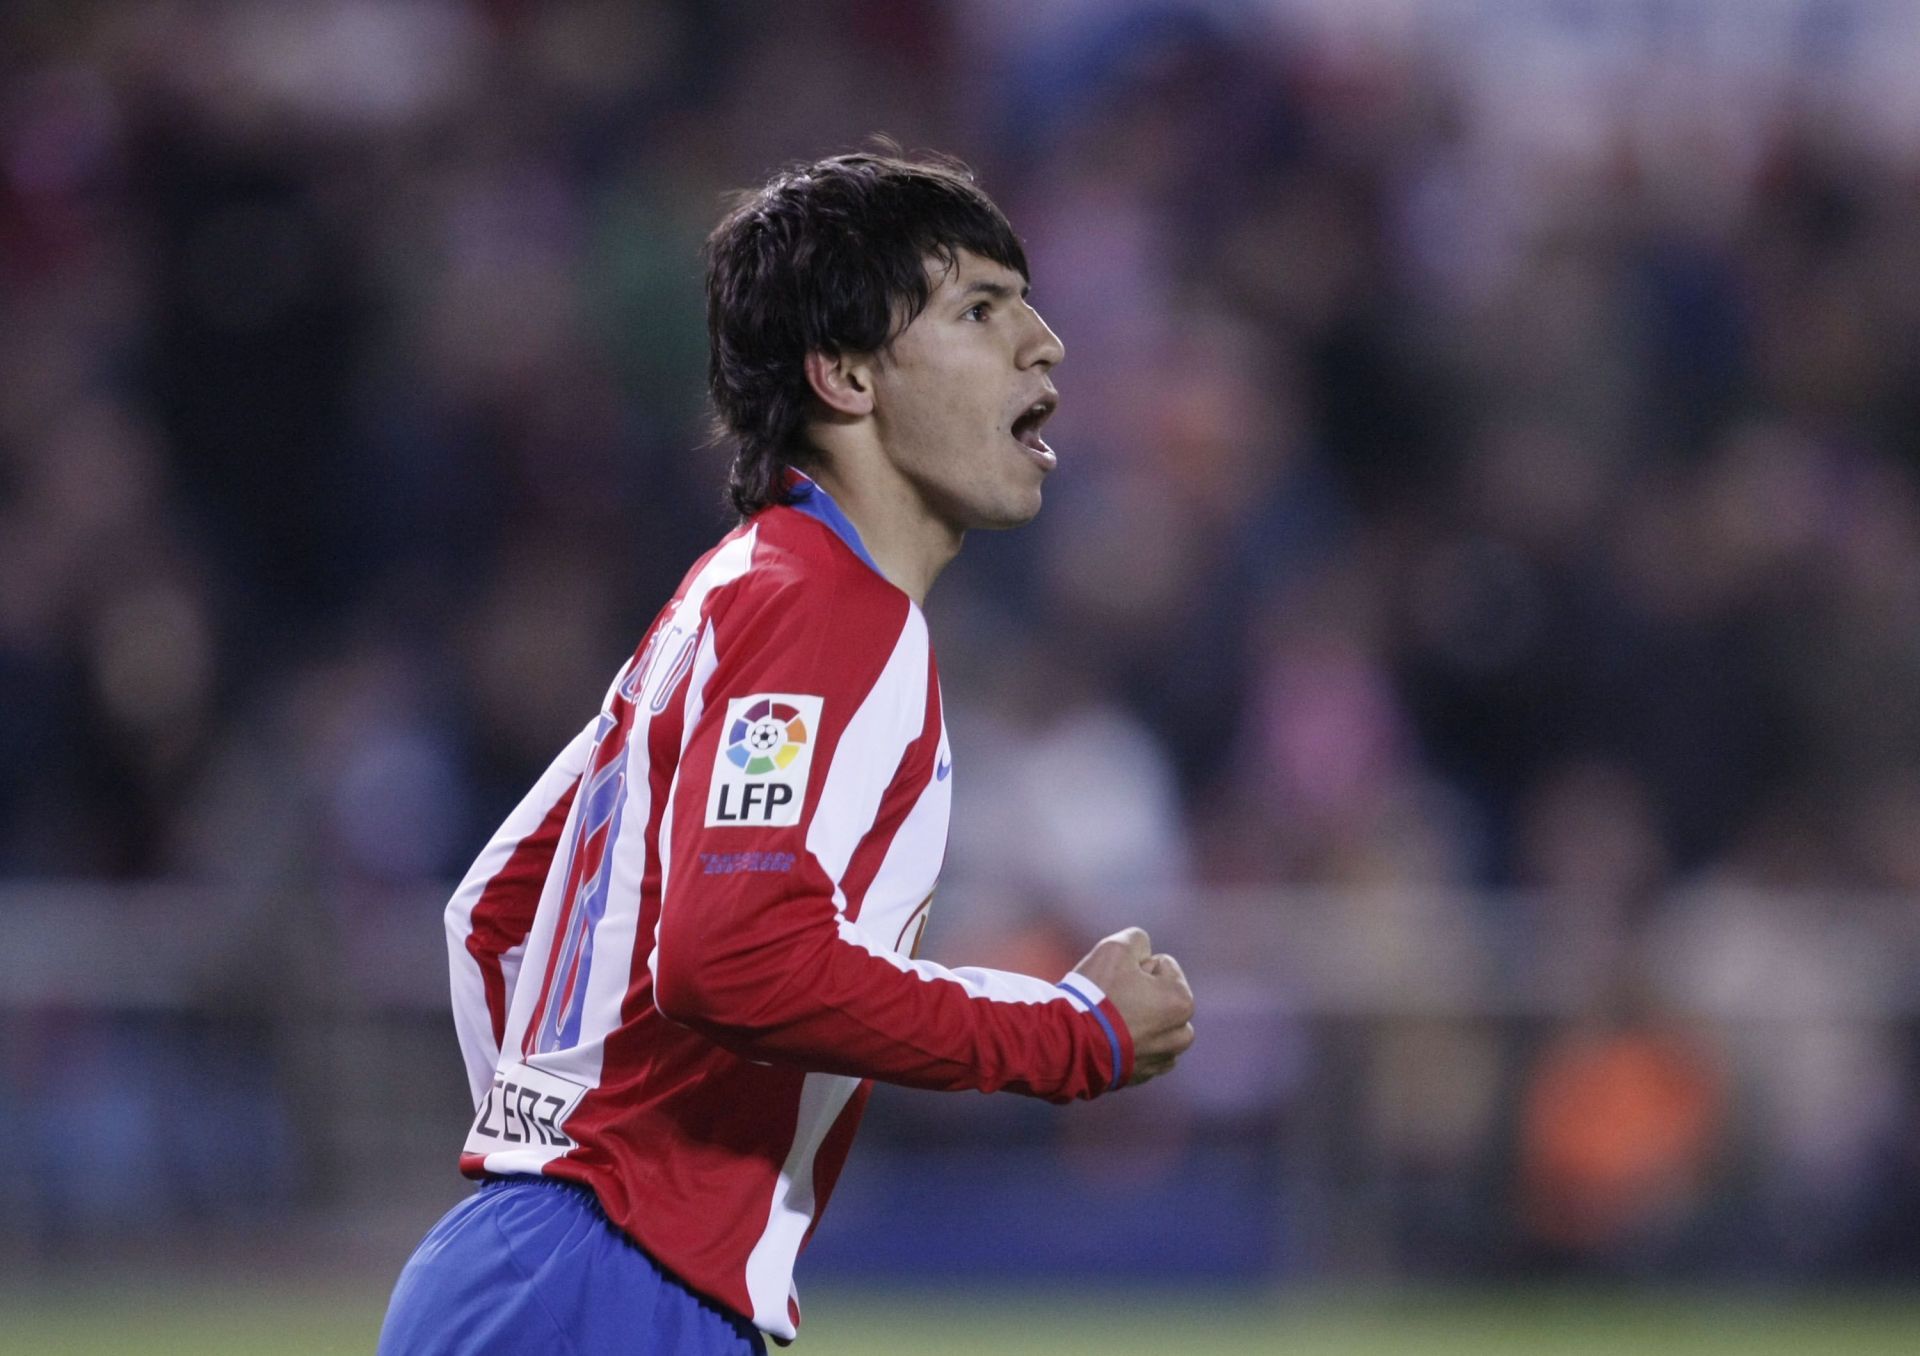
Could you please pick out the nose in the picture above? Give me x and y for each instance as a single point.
(1043, 347)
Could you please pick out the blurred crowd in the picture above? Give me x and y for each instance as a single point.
(1450, 500)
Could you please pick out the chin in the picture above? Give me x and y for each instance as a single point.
(985, 507)
(1005, 517)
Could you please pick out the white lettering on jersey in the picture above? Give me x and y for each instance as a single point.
(760, 768)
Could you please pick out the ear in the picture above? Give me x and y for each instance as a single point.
(842, 382)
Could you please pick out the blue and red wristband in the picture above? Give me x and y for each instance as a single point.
(1110, 1023)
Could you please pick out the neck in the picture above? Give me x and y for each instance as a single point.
(906, 540)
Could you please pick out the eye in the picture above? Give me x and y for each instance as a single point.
(977, 311)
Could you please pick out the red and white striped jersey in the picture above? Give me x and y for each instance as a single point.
(681, 959)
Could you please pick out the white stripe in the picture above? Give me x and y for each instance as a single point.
(770, 1264)
(614, 936)
(911, 866)
(612, 972)
(875, 738)
(1002, 986)
(705, 660)
(471, 1020)
(519, 1162)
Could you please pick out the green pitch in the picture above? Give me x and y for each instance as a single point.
(288, 1322)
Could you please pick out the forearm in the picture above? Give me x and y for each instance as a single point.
(826, 998)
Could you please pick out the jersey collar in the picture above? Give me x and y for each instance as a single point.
(816, 503)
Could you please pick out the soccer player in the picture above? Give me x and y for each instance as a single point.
(680, 962)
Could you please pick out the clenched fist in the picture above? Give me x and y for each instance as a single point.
(1152, 995)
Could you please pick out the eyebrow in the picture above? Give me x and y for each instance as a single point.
(999, 291)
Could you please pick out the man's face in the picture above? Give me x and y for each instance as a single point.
(961, 393)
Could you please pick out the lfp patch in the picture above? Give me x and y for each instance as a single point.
(760, 771)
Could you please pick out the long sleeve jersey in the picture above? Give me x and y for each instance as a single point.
(680, 962)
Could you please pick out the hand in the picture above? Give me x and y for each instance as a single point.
(1152, 995)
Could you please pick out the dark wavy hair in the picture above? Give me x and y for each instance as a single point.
(827, 257)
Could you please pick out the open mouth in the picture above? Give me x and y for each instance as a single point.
(1026, 428)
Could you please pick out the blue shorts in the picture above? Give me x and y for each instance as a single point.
(530, 1264)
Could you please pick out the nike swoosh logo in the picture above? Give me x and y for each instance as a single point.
(940, 773)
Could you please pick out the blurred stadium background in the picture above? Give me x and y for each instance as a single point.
(1476, 623)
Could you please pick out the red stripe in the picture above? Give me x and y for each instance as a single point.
(663, 757)
(677, 1087)
(627, 716)
(503, 914)
(908, 785)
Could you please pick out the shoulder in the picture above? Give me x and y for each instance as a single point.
(810, 616)
(799, 570)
